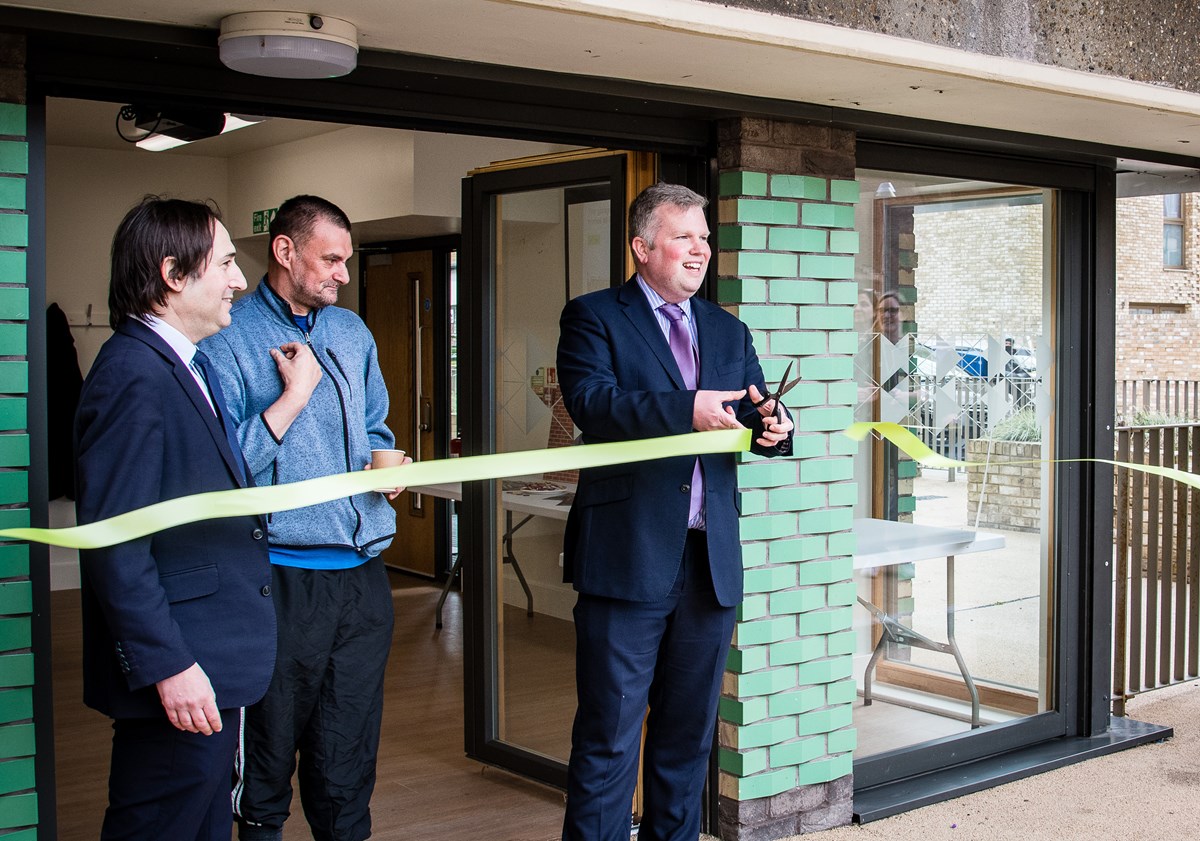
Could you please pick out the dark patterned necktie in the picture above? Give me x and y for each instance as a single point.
(219, 406)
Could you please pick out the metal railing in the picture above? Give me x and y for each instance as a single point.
(1156, 632)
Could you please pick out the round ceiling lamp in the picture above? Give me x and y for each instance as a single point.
(288, 45)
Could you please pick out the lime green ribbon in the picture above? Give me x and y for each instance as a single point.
(271, 498)
(918, 451)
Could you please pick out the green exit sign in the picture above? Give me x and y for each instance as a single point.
(262, 219)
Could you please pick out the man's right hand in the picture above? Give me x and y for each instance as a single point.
(300, 373)
(709, 411)
(190, 702)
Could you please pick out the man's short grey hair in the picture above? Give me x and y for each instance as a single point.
(642, 219)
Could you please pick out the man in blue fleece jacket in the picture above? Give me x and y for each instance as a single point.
(303, 384)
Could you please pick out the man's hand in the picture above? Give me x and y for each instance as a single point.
(300, 373)
(190, 702)
(775, 429)
(395, 492)
(709, 411)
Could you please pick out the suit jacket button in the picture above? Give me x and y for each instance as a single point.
(687, 489)
(257, 534)
(266, 590)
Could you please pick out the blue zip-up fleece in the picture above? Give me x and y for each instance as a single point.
(335, 432)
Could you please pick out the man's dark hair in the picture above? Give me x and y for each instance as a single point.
(299, 215)
(642, 221)
(152, 231)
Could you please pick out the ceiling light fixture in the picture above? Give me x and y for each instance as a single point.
(288, 45)
(158, 131)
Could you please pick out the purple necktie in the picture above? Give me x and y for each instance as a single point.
(685, 357)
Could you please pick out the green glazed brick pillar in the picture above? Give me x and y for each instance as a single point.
(786, 245)
(18, 795)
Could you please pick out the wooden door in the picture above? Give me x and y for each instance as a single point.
(398, 304)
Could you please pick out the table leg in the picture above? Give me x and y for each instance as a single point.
(952, 643)
(454, 570)
(511, 558)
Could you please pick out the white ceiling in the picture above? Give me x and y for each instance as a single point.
(710, 47)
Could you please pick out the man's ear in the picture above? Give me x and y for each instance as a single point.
(171, 276)
(641, 249)
(283, 249)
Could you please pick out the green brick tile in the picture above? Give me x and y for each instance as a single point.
(797, 601)
(842, 292)
(843, 242)
(14, 560)
(842, 741)
(826, 622)
(766, 474)
(17, 669)
(798, 499)
(797, 549)
(802, 700)
(842, 593)
(18, 740)
(742, 238)
(761, 684)
(754, 555)
(827, 368)
(14, 157)
(904, 606)
(16, 598)
(765, 733)
(760, 211)
(752, 502)
(17, 704)
(844, 642)
(827, 318)
(743, 184)
(842, 394)
(796, 651)
(827, 216)
(753, 606)
(14, 377)
(766, 785)
(800, 343)
(827, 419)
(842, 544)
(745, 711)
(14, 230)
(843, 191)
(14, 633)
(16, 775)
(828, 571)
(19, 810)
(798, 187)
(743, 660)
(738, 290)
(769, 579)
(14, 518)
(799, 752)
(832, 266)
(764, 631)
(824, 721)
(12, 340)
(823, 522)
(798, 239)
(810, 445)
(843, 493)
(841, 692)
(14, 487)
(826, 671)
(796, 291)
(766, 264)
(805, 394)
(841, 445)
(12, 193)
(906, 504)
(23, 835)
(768, 317)
(768, 526)
(14, 302)
(906, 469)
(906, 572)
(742, 763)
(825, 770)
(12, 119)
(12, 270)
(774, 367)
(827, 469)
(14, 450)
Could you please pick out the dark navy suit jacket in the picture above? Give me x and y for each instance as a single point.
(626, 529)
(196, 593)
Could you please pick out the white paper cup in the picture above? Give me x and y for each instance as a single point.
(386, 458)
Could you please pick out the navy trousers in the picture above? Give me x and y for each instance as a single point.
(669, 655)
(168, 784)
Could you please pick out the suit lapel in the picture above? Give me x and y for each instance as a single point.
(637, 310)
(708, 338)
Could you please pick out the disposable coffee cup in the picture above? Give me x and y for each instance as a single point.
(386, 458)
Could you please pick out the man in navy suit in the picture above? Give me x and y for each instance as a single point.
(179, 628)
(653, 547)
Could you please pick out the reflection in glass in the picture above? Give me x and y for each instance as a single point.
(953, 566)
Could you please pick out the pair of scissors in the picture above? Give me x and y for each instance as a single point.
(783, 388)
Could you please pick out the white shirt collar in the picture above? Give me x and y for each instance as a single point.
(657, 300)
(179, 343)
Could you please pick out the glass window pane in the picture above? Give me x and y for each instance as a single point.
(1172, 245)
(1172, 206)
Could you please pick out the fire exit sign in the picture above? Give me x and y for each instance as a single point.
(262, 219)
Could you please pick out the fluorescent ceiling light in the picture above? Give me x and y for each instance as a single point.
(162, 142)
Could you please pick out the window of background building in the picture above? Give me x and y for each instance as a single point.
(1173, 231)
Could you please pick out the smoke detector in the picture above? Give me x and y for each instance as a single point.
(288, 45)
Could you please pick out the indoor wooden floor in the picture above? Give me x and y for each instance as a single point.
(427, 789)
